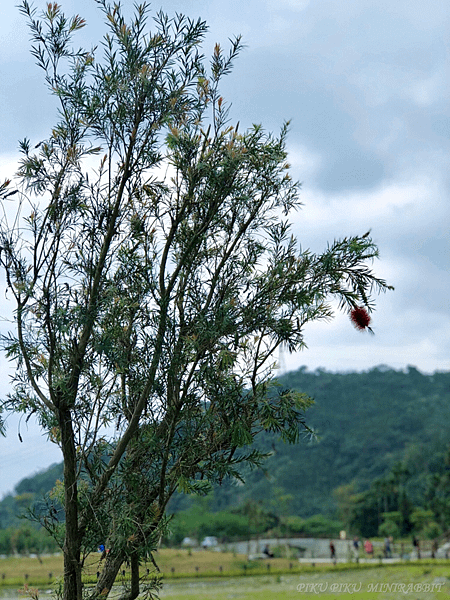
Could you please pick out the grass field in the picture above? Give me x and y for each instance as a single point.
(413, 581)
(172, 563)
(360, 584)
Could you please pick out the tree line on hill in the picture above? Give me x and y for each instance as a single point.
(378, 465)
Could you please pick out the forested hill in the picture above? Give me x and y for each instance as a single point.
(25, 493)
(366, 423)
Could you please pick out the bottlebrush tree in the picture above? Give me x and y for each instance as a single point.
(154, 277)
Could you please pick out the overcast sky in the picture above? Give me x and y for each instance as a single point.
(365, 84)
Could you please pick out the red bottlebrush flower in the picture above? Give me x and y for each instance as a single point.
(360, 318)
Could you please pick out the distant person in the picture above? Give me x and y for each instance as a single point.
(332, 550)
(416, 545)
(434, 548)
(267, 551)
(356, 548)
(368, 547)
(387, 548)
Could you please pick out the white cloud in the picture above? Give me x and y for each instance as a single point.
(8, 165)
(382, 81)
(391, 206)
(281, 13)
(425, 91)
(305, 163)
(293, 5)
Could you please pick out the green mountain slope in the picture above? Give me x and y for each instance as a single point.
(365, 424)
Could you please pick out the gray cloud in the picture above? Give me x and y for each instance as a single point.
(366, 85)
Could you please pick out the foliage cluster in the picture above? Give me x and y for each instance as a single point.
(26, 539)
(387, 507)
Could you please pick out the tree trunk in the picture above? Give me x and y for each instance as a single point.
(134, 591)
(72, 566)
(107, 577)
